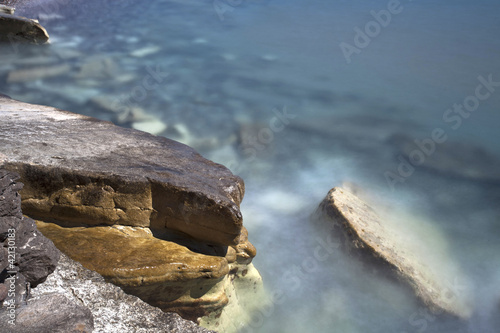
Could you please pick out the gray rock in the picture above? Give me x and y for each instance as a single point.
(80, 170)
(364, 234)
(16, 29)
(113, 310)
(51, 313)
(24, 249)
(3, 292)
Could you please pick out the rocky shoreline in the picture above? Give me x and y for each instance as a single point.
(147, 213)
(65, 296)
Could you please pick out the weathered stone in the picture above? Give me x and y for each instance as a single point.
(113, 310)
(16, 29)
(49, 313)
(81, 171)
(24, 249)
(364, 234)
(3, 292)
(162, 273)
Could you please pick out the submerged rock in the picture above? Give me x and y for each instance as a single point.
(82, 171)
(456, 159)
(16, 29)
(366, 235)
(37, 73)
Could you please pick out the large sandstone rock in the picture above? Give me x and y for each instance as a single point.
(16, 29)
(79, 171)
(191, 279)
(112, 309)
(163, 273)
(377, 242)
(149, 214)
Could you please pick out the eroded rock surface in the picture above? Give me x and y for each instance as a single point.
(191, 279)
(163, 273)
(17, 29)
(365, 235)
(52, 313)
(149, 214)
(81, 171)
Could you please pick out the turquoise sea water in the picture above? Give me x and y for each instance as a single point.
(294, 98)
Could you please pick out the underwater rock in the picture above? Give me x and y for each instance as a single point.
(145, 51)
(98, 67)
(153, 126)
(16, 29)
(80, 171)
(455, 159)
(37, 73)
(112, 309)
(363, 233)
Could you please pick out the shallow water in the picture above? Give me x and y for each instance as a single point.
(223, 74)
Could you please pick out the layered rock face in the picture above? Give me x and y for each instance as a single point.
(366, 235)
(149, 214)
(78, 170)
(71, 298)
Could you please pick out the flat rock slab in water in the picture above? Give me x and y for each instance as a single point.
(363, 233)
(81, 170)
(16, 29)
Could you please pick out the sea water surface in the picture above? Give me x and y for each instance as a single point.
(298, 97)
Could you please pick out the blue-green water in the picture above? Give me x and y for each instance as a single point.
(292, 97)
